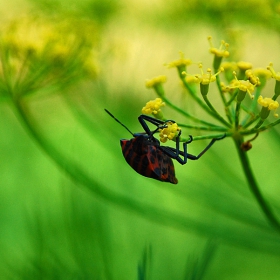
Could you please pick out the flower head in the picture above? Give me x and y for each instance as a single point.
(203, 78)
(153, 107)
(229, 66)
(274, 75)
(42, 52)
(181, 62)
(252, 77)
(222, 51)
(268, 103)
(243, 66)
(243, 86)
(155, 81)
(169, 132)
(262, 73)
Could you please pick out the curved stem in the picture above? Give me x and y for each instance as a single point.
(265, 207)
(214, 113)
(184, 113)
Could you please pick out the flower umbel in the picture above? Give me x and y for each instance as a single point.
(276, 76)
(239, 117)
(169, 132)
(222, 51)
(243, 86)
(269, 103)
(204, 79)
(44, 52)
(156, 83)
(181, 62)
(153, 107)
(219, 53)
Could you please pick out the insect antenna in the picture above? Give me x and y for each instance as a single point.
(119, 122)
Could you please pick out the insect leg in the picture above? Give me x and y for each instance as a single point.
(192, 157)
(175, 153)
(159, 123)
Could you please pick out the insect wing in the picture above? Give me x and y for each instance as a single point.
(135, 153)
(167, 170)
(148, 160)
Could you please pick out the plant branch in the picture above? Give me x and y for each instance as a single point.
(265, 207)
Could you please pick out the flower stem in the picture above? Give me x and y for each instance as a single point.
(214, 112)
(184, 113)
(265, 207)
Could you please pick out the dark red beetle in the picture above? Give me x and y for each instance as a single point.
(147, 157)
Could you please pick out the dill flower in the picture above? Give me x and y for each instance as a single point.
(43, 52)
(243, 86)
(204, 79)
(181, 62)
(222, 51)
(229, 67)
(156, 83)
(243, 66)
(219, 53)
(153, 107)
(169, 132)
(275, 76)
(269, 103)
(252, 78)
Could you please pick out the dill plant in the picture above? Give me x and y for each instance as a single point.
(241, 82)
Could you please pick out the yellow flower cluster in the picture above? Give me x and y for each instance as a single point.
(202, 78)
(169, 132)
(274, 75)
(182, 61)
(243, 85)
(155, 81)
(222, 51)
(42, 51)
(269, 103)
(252, 78)
(243, 65)
(153, 107)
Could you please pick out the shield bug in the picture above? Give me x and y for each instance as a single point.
(147, 157)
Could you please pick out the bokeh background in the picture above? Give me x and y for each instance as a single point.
(78, 210)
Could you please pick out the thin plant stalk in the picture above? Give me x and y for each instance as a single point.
(253, 185)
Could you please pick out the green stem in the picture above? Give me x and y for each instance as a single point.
(258, 125)
(203, 137)
(237, 111)
(214, 113)
(254, 119)
(184, 113)
(252, 108)
(232, 98)
(265, 207)
(194, 95)
(199, 127)
(218, 83)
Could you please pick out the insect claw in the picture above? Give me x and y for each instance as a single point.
(189, 141)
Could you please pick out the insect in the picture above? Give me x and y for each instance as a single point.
(147, 157)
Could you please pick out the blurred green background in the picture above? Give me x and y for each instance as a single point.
(118, 224)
